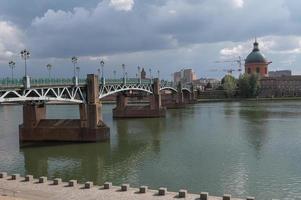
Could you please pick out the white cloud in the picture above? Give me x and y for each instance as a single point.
(10, 40)
(125, 5)
(237, 3)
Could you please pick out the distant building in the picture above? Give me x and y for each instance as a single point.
(280, 73)
(256, 62)
(184, 76)
(284, 86)
(143, 74)
(203, 83)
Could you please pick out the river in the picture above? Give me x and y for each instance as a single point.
(241, 148)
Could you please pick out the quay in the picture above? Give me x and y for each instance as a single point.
(43, 189)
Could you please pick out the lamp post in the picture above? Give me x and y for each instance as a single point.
(74, 61)
(102, 64)
(12, 66)
(49, 66)
(78, 71)
(98, 72)
(114, 74)
(25, 54)
(158, 74)
(150, 73)
(123, 69)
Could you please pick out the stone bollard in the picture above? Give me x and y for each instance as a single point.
(162, 191)
(227, 197)
(15, 176)
(250, 198)
(57, 181)
(43, 179)
(204, 196)
(72, 183)
(3, 174)
(88, 185)
(125, 187)
(29, 178)
(143, 189)
(107, 185)
(182, 193)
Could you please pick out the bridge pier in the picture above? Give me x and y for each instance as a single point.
(154, 109)
(89, 128)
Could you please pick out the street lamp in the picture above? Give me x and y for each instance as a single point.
(49, 66)
(98, 72)
(77, 71)
(139, 73)
(25, 54)
(123, 68)
(150, 73)
(158, 74)
(102, 64)
(74, 61)
(114, 74)
(126, 75)
(12, 66)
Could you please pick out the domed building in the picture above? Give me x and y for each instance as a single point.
(256, 62)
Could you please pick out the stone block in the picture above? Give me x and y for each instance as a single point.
(107, 185)
(3, 174)
(88, 185)
(125, 187)
(72, 183)
(227, 197)
(57, 181)
(162, 191)
(15, 176)
(43, 179)
(182, 193)
(143, 189)
(204, 196)
(250, 198)
(29, 178)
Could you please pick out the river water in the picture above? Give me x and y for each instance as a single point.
(241, 148)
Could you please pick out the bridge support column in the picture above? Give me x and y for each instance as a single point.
(89, 128)
(154, 109)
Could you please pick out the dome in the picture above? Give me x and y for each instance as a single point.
(255, 56)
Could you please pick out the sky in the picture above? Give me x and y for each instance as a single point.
(164, 35)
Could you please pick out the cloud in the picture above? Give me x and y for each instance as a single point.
(10, 40)
(237, 3)
(125, 5)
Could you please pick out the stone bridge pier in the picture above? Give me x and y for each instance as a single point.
(89, 128)
(154, 109)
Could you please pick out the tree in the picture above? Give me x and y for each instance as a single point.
(248, 85)
(229, 85)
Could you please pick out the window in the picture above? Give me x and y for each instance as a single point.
(266, 70)
(257, 70)
(249, 70)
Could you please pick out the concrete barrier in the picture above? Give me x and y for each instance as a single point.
(227, 197)
(72, 183)
(125, 187)
(162, 191)
(57, 181)
(15, 176)
(88, 184)
(28, 178)
(143, 189)
(204, 196)
(3, 174)
(43, 179)
(182, 193)
(107, 185)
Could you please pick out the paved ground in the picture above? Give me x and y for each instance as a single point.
(46, 191)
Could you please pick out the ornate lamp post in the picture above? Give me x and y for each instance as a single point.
(150, 73)
(98, 72)
(25, 54)
(114, 74)
(49, 67)
(12, 66)
(123, 69)
(77, 71)
(74, 61)
(102, 64)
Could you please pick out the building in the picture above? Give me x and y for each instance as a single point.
(256, 62)
(184, 76)
(203, 83)
(284, 86)
(280, 73)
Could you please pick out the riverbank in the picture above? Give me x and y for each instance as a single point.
(249, 99)
(43, 189)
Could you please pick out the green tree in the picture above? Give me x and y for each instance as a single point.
(229, 85)
(249, 85)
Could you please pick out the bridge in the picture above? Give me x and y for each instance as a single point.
(65, 90)
(34, 94)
